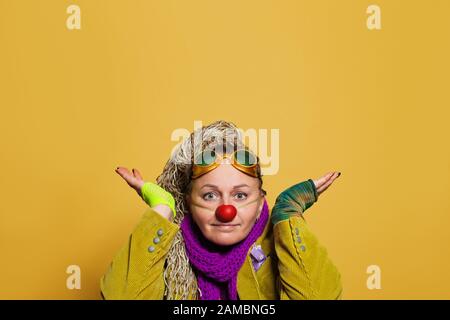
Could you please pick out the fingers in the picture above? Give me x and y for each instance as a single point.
(137, 174)
(322, 180)
(329, 179)
(123, 172)
(134, 178)
(126, 175)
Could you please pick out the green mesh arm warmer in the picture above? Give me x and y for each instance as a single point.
(294, 200)
(154, 194)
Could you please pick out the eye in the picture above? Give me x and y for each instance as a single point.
(209, 196)
(240, 196)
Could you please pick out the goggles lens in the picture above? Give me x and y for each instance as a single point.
(205, 158)
(244, 158)
(241, 159)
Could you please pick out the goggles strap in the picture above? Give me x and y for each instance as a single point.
(214, 210)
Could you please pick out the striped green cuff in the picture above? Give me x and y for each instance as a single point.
(294, 200)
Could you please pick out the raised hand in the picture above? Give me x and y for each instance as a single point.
(324, 182)
(299, 197)
(133, 178)
(155, 196)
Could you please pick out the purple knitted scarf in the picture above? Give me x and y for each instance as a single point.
(217, 267)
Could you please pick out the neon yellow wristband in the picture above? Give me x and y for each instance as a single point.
(154, 195)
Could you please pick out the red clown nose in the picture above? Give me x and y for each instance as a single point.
(226, 212)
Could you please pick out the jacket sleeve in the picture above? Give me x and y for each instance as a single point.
(306, 271)
(136, 271)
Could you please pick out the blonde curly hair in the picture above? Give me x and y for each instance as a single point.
(179, 277)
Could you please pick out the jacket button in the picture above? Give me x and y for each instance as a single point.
(303, 248)
(296, 231)
(160, 232)
(151, 249)
(299, 240)
(156, 240)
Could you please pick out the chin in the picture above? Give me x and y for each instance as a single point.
(225, 239)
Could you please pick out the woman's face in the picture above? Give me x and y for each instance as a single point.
(225, 185)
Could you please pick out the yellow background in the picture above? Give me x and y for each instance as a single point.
(371, 104)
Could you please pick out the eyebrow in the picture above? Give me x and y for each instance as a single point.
(216, 187)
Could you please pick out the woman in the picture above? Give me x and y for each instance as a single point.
(209, 234)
